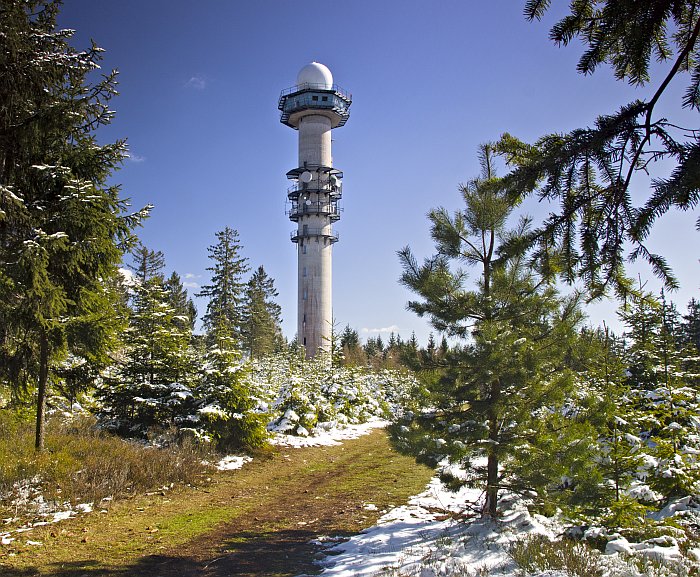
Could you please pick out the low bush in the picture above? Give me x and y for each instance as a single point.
(536, 553)
(82, 464)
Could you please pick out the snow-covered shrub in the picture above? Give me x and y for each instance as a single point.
(228, 407)
(306, 394)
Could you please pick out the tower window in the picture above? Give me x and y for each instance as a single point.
(324, 98)
(314, 98)
(304, 273)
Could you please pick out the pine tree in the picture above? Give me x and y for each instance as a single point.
(352, 350)
(147, 264)
(591, 171)
(499, 398)
(261, 317)
(609, 491)
(349, 338)
(225, 293)
(62, 227)
(410, 354)
(444, 348)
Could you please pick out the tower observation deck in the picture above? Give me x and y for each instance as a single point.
(314, 106)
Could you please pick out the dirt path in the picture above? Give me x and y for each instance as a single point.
(258, 521)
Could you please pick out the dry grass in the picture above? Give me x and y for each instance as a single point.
(259, 520)
(537, 553)
(82, 465)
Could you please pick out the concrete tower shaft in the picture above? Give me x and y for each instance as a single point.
(315, 140)
(314, 107)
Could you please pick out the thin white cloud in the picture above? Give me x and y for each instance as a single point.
(189, 275)
(391, 329)
(136, 158)
(192, 285)
(196, 82)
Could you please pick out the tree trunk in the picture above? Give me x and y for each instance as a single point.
(41, 393)
(490, 507)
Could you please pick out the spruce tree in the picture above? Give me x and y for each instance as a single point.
(185, 309)
(352, 350)
(62, 226)
(226, 289)
(663, 376)
(151, 386)
(690, 328)
(496, 406)
(609, 491)
(226, 397)
(261, 317)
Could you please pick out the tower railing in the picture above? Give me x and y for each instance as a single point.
(331, 235)
(332, 210)
(316, 87)
(295, 190)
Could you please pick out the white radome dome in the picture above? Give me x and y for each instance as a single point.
(315, 73)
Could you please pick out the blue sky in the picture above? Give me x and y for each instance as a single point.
(199, 84)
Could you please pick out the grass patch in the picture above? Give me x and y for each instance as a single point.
(83, 465)
(252, 517)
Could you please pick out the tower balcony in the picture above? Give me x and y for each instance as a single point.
(333, 102)
(324, 180)
(295, 173)
(306, 232)
(296, 190)
(307, 208)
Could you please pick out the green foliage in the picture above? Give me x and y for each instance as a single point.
(664, 375)
(590, 171)
(185, 309)
(308, 396)
(501, 396)
(690, 329)
(150, 386)
(228, 405)
(261, 316)
(62, 227)
(225, 293)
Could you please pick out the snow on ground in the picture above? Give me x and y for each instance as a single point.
(47, 516)
(433, 535)
(421, 539)
(327, 434)
(232, 462)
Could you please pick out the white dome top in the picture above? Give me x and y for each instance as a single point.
(315, 73)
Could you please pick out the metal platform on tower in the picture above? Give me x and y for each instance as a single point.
(333, 100)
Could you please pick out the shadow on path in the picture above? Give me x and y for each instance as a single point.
(249, 554)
